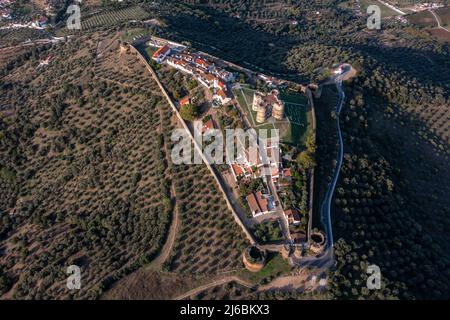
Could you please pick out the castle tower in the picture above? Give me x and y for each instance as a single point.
(257, 100)
(278, 110)
(261, 114)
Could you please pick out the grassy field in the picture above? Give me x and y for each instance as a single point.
(150, 51)
(274, 267)
(299, 114)
(245, 99)
(130, 35)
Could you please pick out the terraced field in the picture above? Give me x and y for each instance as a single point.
(112, 17)
(209, 240)
(88, 187)
(95, 186)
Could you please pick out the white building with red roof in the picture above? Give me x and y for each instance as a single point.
(255, 168)
(222, 97)
(202, 63)
(259, 204)
(180, 65)
(184, 101)
(161, 54)
(222, 74)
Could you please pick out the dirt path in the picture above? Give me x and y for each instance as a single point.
(101, 47)
(167, 247)
(438, 20)
(304, 281)
(215, 283)
(392, 7)
(172, 234)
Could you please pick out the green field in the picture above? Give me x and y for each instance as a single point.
(150, 51)
(245, 99)
(129, 36)
(293, 97)
(296, 107)
(275, 266)
(299, 114)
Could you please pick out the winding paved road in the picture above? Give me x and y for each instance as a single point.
(326, 205)
(326, 258)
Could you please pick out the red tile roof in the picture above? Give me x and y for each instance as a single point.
(202, 63)
(208, 125)
(210, 77)
(274, 171)
(257, 203)
(185, 100)
(161, 51)
(237, 169)
(240, 170)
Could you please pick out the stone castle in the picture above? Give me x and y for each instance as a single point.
(267, 105)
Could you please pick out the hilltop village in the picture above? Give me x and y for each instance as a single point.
(272, 194)
(194, 64)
